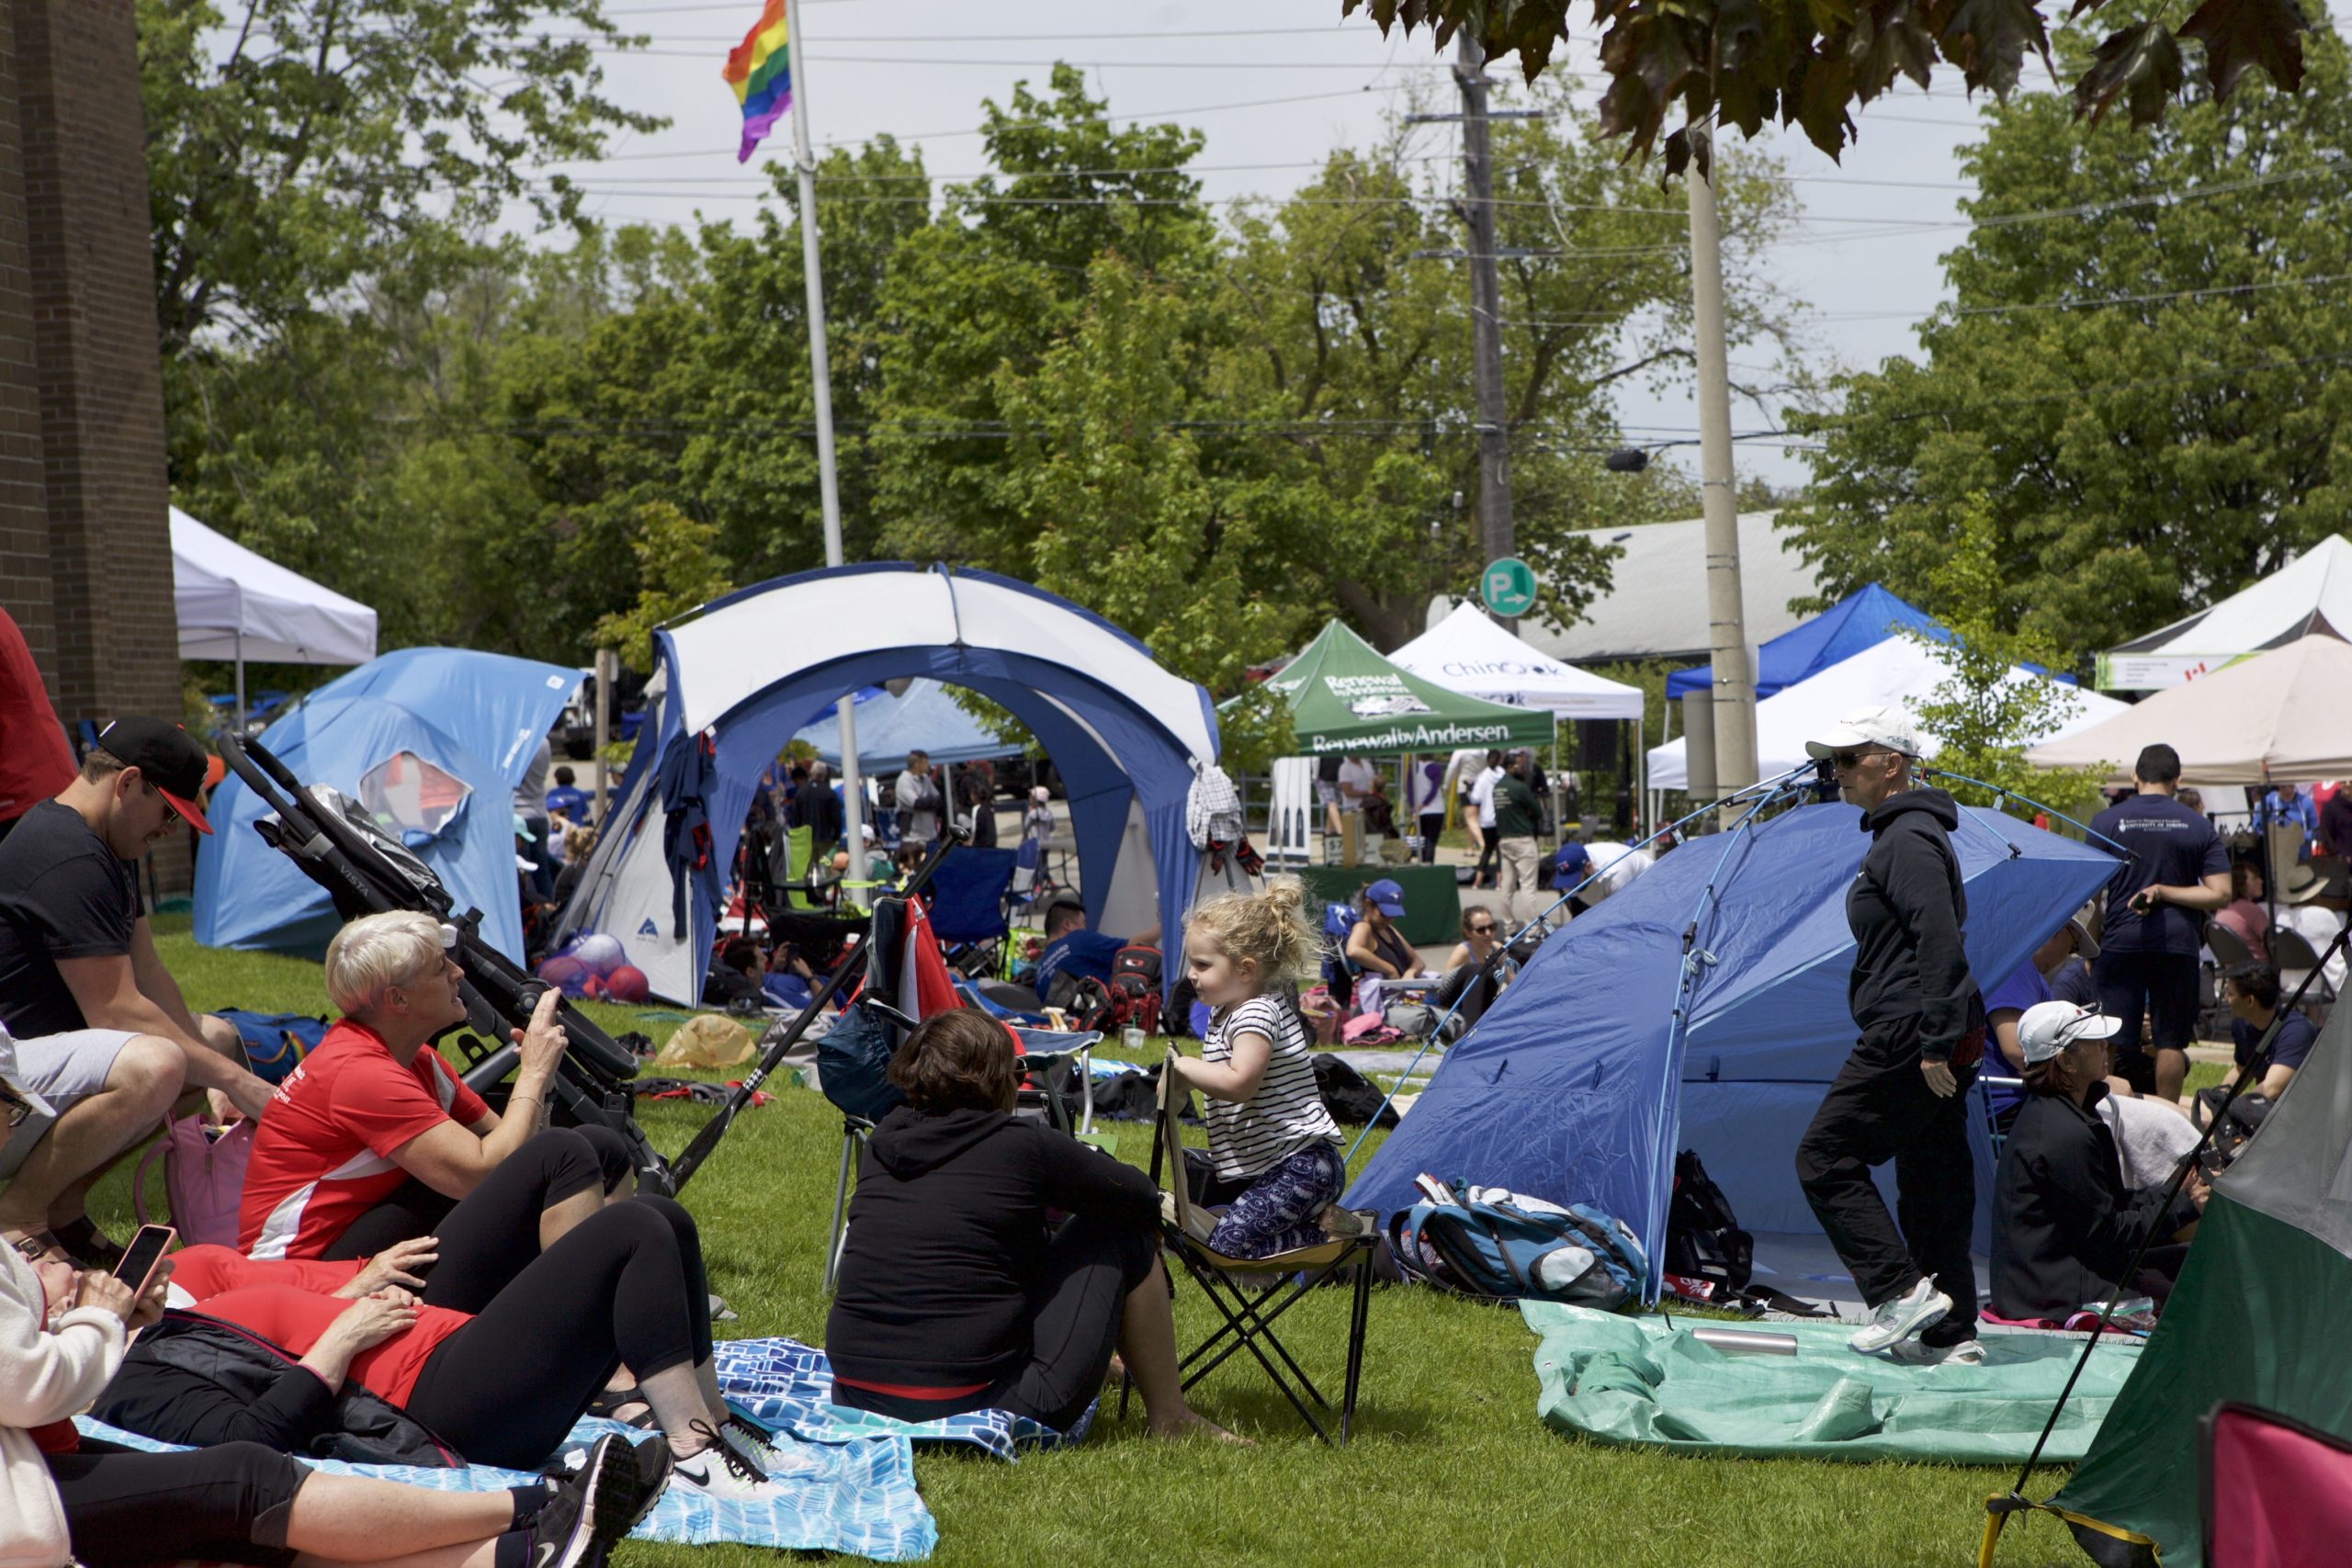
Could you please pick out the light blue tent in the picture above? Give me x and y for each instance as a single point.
(927, 717)
(1581, 1083)
(433, 739)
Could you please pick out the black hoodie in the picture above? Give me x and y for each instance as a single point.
(947, 1237)
(1906, 908)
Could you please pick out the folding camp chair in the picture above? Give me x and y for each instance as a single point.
(968, 907)
(1241, 1288)
(1993, 1128)
(2291, 953)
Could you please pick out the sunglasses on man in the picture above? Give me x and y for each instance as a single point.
(1849, 761)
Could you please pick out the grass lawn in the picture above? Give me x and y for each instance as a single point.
(1449, 1464)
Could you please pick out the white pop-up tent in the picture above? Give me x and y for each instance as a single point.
(1897, 671)
(2278, 718)
(1467, 652)
(236, 605)
(2311, 595)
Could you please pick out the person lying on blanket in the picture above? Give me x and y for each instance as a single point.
(373, 1139)
(502, 1386)
(65, 1498)
(2064, 1226)
(952, 1293)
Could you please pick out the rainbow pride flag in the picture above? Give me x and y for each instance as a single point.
(760, 70)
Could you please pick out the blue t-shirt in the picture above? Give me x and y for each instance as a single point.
(2170, 845)
(1081, 953)
(2024, 988)
(2296, 1037)
(567, 801)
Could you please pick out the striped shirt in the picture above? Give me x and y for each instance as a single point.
(1286, 1114)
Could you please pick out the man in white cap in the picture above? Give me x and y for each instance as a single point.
(1902, 1094)
(2064, 1225)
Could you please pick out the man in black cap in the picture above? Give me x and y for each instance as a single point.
(101, 1030)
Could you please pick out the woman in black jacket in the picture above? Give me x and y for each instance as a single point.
(2064, 1226)
(955, 1296)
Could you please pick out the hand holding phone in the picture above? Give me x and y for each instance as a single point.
(137, 1269)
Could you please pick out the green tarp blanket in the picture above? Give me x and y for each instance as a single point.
(1635, 1380)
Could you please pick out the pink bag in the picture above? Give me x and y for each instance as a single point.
(204, 1177)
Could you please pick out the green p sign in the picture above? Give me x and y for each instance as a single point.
(1507, 587)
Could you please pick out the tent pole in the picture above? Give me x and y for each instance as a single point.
(828, 481)
(240, 665)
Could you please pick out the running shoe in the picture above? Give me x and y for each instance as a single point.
(597, 1506)
(751, 1442)
(717, 1471)
(1961, 1353)
(1901, 1318)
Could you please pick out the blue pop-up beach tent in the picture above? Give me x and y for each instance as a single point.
(434, 740)
(1583, 1081)
(1862, 619)
(925, 717)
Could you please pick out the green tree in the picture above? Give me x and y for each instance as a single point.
(678, 570)
(1810, 65)
(1982, 718)
(2147, 386)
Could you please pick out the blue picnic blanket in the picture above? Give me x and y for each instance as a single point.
(788, 1387)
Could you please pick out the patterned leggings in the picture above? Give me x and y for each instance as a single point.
(1275, 1212)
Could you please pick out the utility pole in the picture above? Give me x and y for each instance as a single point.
(1735, 705)
(1495, 533)
(828, 484)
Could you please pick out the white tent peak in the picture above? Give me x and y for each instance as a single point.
(2309, 595)
(236, 604)
(1900, 671)
(1469, 653)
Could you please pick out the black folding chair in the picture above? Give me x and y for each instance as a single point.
(1244, 1290)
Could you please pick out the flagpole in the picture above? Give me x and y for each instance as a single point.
(804, 159)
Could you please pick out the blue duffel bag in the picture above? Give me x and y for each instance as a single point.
(1489, 1242)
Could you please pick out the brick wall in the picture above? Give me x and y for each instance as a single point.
(76, 264)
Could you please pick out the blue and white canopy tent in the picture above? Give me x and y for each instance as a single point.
(433, 741)
(734, 681)
(1864, 618)
(1613, 1052)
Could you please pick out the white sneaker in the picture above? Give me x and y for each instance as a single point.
(751, 1444)
(1901, 1318)
(719, 1471)
(1912, 1353)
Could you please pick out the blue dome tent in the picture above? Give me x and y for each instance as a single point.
(734, 681)
(434, 741)
(1864, 618)
(1584, 1080)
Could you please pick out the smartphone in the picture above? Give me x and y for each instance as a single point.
(137, 1269)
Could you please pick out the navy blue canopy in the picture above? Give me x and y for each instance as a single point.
(1862, 619)
(1578, 1084)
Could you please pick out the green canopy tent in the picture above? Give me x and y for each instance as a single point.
(1344, 697)
(2257, 1319)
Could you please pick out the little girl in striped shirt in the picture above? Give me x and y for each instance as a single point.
(1276, 1150)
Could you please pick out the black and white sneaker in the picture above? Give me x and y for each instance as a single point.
(718, 1471)
(751, 1444)
(597, 1506)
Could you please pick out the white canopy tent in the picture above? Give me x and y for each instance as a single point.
(1469, 653)
(2312, 593)
(2278, 718)
(1897, 671)
(236, 605)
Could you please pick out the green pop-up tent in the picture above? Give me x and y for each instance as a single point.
(1344, 697)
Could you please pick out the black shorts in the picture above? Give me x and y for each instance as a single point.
(2160, 988)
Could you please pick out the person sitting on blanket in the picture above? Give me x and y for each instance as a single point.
(2252, 992)
(66, 1498)
(1378, 949)
(955, 1294)
(624, 1289)
(2064, 1226)
(1275, 1148)
(373, 1140)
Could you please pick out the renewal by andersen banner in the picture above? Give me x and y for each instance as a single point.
(1344, 697)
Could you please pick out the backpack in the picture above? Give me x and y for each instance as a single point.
(1353, 1099)
(1492, 1243)
(276, 1043)
(1136, 974)
(1704, 1241)
(204, 1178)
(853, 1063)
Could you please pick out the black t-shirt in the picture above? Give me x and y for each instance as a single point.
(2296, 1037)
(2170, 845)
(62, 894)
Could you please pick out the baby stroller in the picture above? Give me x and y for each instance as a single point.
(366, 871)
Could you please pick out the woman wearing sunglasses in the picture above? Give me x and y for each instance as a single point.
(1480, 935)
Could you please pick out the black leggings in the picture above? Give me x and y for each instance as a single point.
(229, 1504)
(490, 1236)
(1075, 1308)
(626, 1286)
